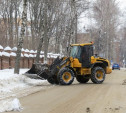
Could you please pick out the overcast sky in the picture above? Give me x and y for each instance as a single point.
(122, 4)
(84, 22)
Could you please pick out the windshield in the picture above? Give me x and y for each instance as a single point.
(75, 52)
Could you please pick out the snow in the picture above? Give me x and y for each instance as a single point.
(10, 105)
(1, 47)
(14, 49)
(22, 55)
(48, 56)
(7, 48)
(12, 54)
(32, 51)
(50, 53)
(0, 53)
(41, 56)
(5, 54)
(42, 52)
(13, 86)
(27, 51)
(31, 55)
(36, 51)
(26, 55)
(22, 50)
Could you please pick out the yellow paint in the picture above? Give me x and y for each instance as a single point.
(66, 76)
(77, 66)
(82, 44)
(99, 75)
(85, 71)
(75, 63)
(108, 70)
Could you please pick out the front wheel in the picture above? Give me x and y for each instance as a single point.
(97, 75)
(65, 76)
(53, 80)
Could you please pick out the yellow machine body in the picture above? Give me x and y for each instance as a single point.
(80, 70)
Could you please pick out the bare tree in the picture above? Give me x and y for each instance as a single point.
(106, 16)
(20, 42)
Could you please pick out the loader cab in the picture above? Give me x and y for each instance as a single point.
(83, 53)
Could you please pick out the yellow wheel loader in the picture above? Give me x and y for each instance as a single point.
(81, 64)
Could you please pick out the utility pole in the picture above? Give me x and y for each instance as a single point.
(21, 39)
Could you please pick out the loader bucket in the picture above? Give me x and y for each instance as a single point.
(38, 71)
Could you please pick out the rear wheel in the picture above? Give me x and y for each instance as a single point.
(65, 76)
(82, 79)
(97, 75)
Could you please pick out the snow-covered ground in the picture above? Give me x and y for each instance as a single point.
(13, 86)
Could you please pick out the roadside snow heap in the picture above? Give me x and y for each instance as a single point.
(13, 86)
(10, 105)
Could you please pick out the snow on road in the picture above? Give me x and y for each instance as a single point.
(13, 86)
(10, 105)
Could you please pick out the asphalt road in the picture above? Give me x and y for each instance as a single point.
(109, 97)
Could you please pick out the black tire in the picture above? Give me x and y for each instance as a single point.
(53, 80)
(65, 76)
(82, 79)
(98, 75)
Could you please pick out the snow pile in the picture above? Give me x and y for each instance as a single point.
(13, 86)
(10, 105)
(10, 82)
(32, 82)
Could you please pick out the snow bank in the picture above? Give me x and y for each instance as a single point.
(10, 105)
(10, 82)
(13, 86)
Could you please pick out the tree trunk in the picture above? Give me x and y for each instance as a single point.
(45, 34)
(20, 42)
(39, 50)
